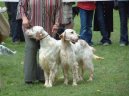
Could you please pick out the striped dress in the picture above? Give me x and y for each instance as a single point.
(41, 12)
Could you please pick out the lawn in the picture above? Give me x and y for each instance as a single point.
(111, 76)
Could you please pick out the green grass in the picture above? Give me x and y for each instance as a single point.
(111, 74)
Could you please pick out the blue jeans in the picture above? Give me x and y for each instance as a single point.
(123, 12)
(102, 23)
(86, 18)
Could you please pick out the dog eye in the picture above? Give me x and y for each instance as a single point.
(72, 32)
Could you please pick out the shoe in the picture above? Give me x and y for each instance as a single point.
(91, 44)
(28, 82)
(16, 42)
(105, 44)
(122, 44)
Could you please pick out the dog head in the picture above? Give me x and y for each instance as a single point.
(69, 35)
(36, 32)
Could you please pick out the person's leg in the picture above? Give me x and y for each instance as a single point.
(101, 22)
(123, 22)
(89, 26)
(128, 9)
(32, 71)
(85, 32)
(20, 31)
(14, 25)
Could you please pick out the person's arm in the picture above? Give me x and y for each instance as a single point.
(58, 17)
(22, 13)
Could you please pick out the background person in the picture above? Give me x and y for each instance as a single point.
(15, 25)
(123, 7)
(103, 20)
(86, 10)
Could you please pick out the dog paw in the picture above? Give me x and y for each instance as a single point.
(74, 84)
(48, 86)
(89, 80)
(66, 83)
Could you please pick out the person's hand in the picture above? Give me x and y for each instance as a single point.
(55, 28)
(25, 22)
(39, 36)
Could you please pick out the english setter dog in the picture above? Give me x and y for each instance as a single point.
(68, 56)
(48, 53)
(76, 52)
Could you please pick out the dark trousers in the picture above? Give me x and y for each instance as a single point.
(15, 25)
(123, 12)
(102, 23)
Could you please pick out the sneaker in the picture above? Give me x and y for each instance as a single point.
(122, 44)
(16, 42)
(105, 44)
(3, 9)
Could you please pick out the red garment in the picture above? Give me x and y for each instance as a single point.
(87, 5)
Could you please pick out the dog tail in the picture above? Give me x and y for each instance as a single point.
(97, 57)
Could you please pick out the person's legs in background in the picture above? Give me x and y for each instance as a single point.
(15, 25)
(102, 26)
(20, 31)
(123, 12)
(86, 18)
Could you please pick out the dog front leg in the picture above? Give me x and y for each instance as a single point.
(75, 73)
(91, 68)
(46, 78)
(65, 71)
(52, 77)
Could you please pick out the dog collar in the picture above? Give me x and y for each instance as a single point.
(44, 37)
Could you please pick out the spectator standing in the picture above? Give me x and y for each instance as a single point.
(67, 19)
(45, 13)
(86, 10)
(15, 25)
(123, 7)
(103, 20)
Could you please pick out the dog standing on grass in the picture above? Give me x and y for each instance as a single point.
(68, 56)
(53, 52)
(48, 53)
(79, 52)
(85, 55)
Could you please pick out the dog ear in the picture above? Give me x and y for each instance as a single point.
(61, 36)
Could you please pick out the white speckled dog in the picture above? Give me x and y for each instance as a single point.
(78, 53)
(68, 56)
(48, 53)
(85, 56)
